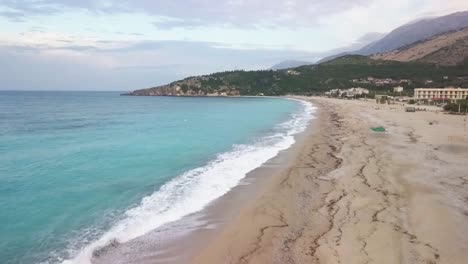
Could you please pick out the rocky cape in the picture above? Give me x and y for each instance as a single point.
(193, 86)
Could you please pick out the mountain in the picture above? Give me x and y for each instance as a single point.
(343, 72)
(290, 64)
(412, 32)
(428, 49)
(332, 57)
(416, 31)
(352, 49)
(334, 53)
(450, 48)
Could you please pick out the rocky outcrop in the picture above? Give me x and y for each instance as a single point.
(193, 86)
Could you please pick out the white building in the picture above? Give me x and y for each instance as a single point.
(293, 72)
(439, 94)
(398, 89)
(351, 92)
(358, 91)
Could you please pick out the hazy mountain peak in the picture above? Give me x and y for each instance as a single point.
(371, 37)
(359, 43)
(416, 31)
(450, 48)
(290, 64)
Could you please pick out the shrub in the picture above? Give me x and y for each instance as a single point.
(461, 106)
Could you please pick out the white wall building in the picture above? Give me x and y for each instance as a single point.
(351, 92)
(437, 94)
(398, 89)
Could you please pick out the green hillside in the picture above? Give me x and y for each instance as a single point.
(338, 73)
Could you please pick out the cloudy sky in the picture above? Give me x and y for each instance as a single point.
(131, 44)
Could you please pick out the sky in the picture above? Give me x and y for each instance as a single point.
(123, 45)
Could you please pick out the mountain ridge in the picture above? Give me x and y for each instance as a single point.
(287, 64)
(334, 53)
(450, 48)
(410, 33)
(417, 31)
(447, 65)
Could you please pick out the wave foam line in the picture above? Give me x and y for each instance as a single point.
(195, 189)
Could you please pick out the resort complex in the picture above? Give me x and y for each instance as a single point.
(440, 94)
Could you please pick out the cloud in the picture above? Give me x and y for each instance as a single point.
(15, 16)
(126, 65)
(16, 10)
(47, 69)
(149, 68)
(370, 37)
(168, 24)
(130, 44)
(277, 13)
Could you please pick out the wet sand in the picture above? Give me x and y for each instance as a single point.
(183, 240)
(341, 194)
(357, 196)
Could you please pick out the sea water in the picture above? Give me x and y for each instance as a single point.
(81, 169)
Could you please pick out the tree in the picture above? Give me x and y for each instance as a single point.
(461, 105)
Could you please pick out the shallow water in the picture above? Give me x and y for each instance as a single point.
(78, 169)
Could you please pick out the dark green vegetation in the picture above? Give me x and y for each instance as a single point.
(460, 106)
(338, 73)
(315, 79)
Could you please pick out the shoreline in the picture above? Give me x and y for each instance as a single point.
(357, 196)
(341, 192)
(165, 244)
(254, 228)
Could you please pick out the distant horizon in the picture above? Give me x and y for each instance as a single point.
(138, 44)
(110, 91)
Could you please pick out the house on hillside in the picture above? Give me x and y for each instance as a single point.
(398, 89)
(357, 91)
(293, 72)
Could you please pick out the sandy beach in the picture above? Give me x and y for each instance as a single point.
(353, 195)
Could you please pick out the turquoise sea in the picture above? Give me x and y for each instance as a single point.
(80, 169)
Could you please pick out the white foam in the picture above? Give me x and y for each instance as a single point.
(195, 189)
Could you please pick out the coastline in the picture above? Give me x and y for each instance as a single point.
(358, 196)
(341, 194)
(173, 242)
(253, 230)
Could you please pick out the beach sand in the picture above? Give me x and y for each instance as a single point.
(353, 195)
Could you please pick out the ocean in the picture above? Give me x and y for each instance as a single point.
(81, 169)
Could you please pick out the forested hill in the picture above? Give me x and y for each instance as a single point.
(344, 72)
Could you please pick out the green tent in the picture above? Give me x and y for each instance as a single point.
(378, 129)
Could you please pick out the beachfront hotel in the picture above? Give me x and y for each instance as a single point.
(440, 94)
